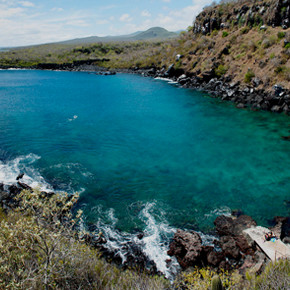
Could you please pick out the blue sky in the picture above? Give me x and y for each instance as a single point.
(42, 21)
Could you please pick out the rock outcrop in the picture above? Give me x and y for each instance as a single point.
(240, 13)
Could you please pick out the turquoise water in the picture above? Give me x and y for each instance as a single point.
(126, 142)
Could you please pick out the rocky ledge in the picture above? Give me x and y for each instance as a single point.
(233, 248)
(245, 96)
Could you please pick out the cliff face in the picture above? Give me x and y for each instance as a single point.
(239, 13)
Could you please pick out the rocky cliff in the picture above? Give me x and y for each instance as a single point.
(239, 13)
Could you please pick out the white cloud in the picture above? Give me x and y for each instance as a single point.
(145, 13)
(10, 12)
(56, 9)
(77, 22)
(125, 18)
(26, 3)
(166, 1)
(102, 21)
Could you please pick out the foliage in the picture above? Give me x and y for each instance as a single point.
(225, 34)
(248, 76)
(40, 250)
(281, 34)
(200, 279)
(220, 70)
(275, 276)
(245, 30)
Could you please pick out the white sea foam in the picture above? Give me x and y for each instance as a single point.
(223, 210)
(163, 79)
(154, 244)
(170, 81)
(23, 164)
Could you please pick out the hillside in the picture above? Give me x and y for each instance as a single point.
(150, 34)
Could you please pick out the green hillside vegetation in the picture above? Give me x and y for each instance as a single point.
(234, 53)
(41, 248)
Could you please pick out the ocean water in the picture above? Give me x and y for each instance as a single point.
(145, 155)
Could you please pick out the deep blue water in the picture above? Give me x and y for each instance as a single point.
(127, 142)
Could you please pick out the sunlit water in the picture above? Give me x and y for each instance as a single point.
(145, 155)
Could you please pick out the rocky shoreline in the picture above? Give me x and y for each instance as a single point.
(252, 95)
(232, 248)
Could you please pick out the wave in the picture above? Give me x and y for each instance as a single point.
(170, 81)
(10, 169)
(153, 243)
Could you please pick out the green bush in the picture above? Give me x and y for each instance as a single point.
(281, 34)
(225, 34)
(287, 45)
(248, 76)
(38, 250)
(275, 276)
(220, 70)
(245, 30)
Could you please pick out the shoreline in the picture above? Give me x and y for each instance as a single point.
(231, 248)
(252, 95)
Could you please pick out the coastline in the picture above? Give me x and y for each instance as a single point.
(232, 248)
(276, 100)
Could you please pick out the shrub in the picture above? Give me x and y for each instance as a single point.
(248, 76)
(225, 34)
(275, 276)
(200, 279)
(245, 30)
(272, 55)
(287, 45)
(40, 250)
(220, 70)
(281, 34)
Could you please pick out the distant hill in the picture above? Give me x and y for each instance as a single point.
(152, 33)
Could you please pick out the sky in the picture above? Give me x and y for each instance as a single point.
(43, 21)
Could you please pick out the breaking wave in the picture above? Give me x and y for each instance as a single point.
(10, 169)
(153, 243)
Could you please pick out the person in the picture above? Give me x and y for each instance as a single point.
(269, 236)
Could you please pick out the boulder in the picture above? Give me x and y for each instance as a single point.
(243, 245)
(187, 248)
(228, 226)
(230, 247)
(215, 258)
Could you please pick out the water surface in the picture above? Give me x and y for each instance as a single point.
(126, 141)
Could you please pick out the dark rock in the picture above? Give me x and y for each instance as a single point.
(215, 258)
(228, 226)
(243, 245)
(170, 71)
(256, 81)
(236, 212)
(14, 190)
(3, 195)
(24, 186)
(249, 262)
(225, 51)
(230, 247)
(276, 109)
(20, 175)
(277, 89)
(186, 247)
(241, 106)
(140, 236)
